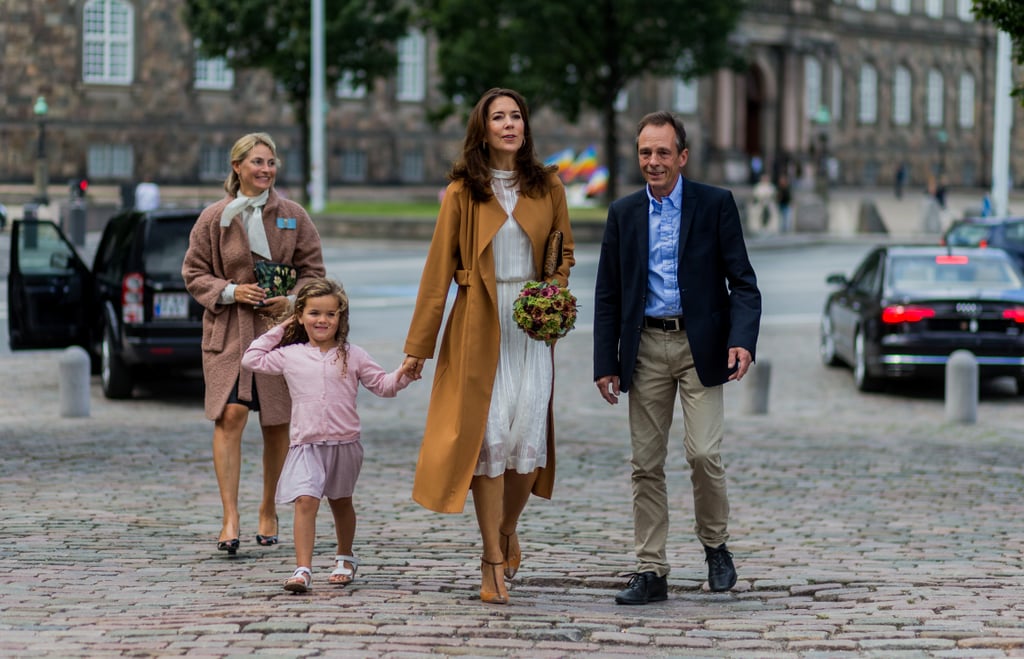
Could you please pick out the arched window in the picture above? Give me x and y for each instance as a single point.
(812, 85)
(108, 42)
(963, 10)
(901, 89)
(966, 118)
(412, 67)
(933, 8)
(901, 6)
(867, 111)
(934, 98)
(686, 96)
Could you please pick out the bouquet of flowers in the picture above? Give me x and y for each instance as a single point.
(545, 310)
(275, 278)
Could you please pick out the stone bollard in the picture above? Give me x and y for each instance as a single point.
(756, 391)
(962, 387)
(74, 382)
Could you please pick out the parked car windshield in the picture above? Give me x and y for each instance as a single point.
(166, 244)
(968, 234)
(956, 271)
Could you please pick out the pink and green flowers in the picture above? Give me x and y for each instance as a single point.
(545, 311)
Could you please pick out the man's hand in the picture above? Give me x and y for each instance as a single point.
(608, 385)
(740, 359)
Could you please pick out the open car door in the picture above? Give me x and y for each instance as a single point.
(49, 289)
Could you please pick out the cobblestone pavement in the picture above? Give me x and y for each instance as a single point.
(862, 526)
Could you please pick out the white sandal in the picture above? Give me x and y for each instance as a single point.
(342, 575)
(300, 580)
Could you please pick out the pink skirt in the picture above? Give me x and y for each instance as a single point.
(320, 470)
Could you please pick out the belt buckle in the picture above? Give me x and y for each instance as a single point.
(670, 324)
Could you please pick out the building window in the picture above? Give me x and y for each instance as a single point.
(867, 111)
(901, 89)
(866, 5)
(214, 73)
(901, 6)
(214, 162)
(812, 85)
(933, 8)
(412, 167)
(110, 161)
(108, 42)
(837, 92)
(412, 59)
(289, 167)
(934, 100)
(963, 10)
(966, 118)
(346, 87)
(353, 166)
(686, 96)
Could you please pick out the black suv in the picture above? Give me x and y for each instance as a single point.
(131, 311)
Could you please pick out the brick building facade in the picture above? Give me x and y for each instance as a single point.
(128, 99)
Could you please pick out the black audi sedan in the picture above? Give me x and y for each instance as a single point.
(905, 309)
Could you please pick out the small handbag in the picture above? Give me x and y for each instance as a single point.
(553, 254)
(277, 279)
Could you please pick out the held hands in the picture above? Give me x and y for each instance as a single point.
(739, 358)
(413, 367)
(608, 385)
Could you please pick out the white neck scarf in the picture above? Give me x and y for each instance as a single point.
(241, 203)
(253, 222)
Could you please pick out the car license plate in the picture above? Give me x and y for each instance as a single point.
(170, 305)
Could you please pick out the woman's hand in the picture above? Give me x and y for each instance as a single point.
(249, 294)
(413, 367)
(275, 306)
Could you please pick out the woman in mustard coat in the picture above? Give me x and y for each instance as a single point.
(489, 423)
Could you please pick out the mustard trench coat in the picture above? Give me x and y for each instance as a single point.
(217, 256)
(461, 251)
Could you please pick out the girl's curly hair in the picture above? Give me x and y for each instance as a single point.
(296, 333)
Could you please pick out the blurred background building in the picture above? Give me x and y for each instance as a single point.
(848, 89)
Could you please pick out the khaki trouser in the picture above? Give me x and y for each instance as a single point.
(665, 365)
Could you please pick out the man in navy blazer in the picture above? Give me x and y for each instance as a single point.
(676, 312)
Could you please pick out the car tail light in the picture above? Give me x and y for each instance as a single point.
(906, 314)
(982, 243)
(132, 294)
(1015, 314)
(951, 259)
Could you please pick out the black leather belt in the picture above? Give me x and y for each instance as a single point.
(665, 324)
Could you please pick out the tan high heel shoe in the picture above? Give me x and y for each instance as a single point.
(499, 596)
(513, 556)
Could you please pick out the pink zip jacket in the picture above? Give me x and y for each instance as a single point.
(323, 402)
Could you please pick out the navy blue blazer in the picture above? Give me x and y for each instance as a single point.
(717, 285)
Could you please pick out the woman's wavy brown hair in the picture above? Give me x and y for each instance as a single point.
(473, 167)
(296, 333)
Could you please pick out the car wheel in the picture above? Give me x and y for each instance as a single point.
(115, 375)
(864, 381)
(827, 344)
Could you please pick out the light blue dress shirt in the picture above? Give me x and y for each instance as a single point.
(663, 218)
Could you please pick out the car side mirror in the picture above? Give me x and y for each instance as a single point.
(837, 279)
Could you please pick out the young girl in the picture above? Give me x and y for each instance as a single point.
(323, 372)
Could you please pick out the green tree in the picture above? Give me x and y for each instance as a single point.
(359, 40)
(576, 54)
(1008, 16)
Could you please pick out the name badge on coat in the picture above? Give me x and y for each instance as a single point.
(286, 223)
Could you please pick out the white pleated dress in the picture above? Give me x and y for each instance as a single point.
(517, 421)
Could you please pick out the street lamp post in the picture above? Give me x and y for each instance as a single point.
(42, 171)
(822, 118)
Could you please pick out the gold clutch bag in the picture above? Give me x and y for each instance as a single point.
(553, 254)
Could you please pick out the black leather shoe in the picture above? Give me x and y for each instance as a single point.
(644, 587)
(721, 571)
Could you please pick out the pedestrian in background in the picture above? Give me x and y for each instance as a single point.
(784, 198)
(490, 425)
(323, 371)
(147, 196)
(676, 309)
(249, 225)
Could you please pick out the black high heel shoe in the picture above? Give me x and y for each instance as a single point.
(230, 546)
(268, 540)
